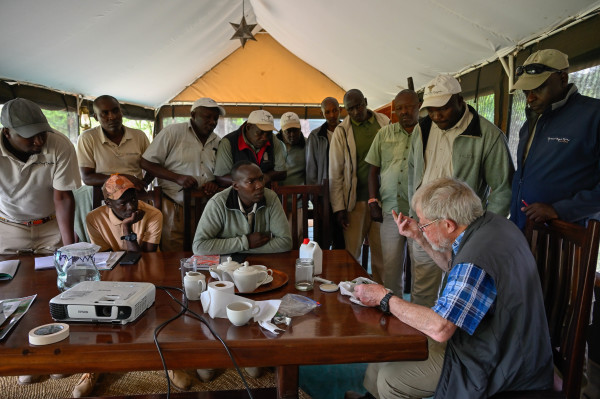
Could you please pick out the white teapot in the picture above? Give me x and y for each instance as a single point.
(224, 271)
(248, 278)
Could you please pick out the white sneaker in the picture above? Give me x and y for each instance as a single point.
(254, 372)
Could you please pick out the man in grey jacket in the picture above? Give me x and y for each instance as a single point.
(349, 177)
(247, 217)
(317, 156)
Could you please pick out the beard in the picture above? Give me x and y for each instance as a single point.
(439, 243)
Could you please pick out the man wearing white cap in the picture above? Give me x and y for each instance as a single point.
(454, 141)
(558, 157)
(38, 173)
(294, 144)
(254, 142)
(183, 156)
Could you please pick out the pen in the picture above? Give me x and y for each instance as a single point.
(524, 203)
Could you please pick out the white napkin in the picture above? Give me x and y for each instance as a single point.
(347, 288)
(267, 325)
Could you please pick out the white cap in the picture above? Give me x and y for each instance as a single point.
(290, 119)
(262, 119)
(438, 92)
(208, 103)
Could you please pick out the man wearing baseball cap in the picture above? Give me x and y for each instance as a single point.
(454, 141)
(123, 224)
(558, 156)
(294, 144)
(38, 173)
(254, 142)
(182, 156)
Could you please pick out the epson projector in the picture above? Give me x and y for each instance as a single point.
(103, 302)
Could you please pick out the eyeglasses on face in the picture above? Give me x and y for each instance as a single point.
(534, 69)
(422, 227)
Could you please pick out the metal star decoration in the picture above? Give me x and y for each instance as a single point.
(243, 31)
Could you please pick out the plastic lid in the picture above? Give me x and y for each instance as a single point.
(306, 241)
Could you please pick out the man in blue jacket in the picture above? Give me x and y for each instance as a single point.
(558, 158)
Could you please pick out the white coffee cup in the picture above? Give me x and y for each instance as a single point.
(239, 313)
(195, 284)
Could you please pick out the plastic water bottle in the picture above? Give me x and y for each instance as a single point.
(311, 249)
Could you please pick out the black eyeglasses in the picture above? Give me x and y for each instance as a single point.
(534, 69)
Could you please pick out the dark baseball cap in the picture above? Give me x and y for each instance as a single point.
(24, 117)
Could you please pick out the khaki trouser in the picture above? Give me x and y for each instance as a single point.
(360, 227)
(426, 276)
(413, 379)
(40, 239)
(172, 233)
(393, 249)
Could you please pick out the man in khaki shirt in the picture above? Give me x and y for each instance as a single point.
(38, 171)
(183, 156)
(104, 150)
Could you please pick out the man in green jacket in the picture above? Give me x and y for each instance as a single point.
(247, 217)
(454, 141)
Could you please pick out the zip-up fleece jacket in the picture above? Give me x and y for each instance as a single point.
(480, 158)
(343, 164)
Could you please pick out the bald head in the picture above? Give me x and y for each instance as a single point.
(406, 107)
(356, 105)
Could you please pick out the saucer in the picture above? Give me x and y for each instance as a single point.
(268, 280)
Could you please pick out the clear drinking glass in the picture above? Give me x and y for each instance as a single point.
(305, 268)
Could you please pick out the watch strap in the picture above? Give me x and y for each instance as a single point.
(385, 302)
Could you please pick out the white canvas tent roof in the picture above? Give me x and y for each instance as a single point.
(147, 51)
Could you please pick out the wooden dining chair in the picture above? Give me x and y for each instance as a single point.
(566, 256)
(318, 195)
(194, 201)
(152, 197)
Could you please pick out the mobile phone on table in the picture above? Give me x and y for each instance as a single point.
(130, 258)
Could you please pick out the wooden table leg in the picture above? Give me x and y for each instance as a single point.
(286, 379)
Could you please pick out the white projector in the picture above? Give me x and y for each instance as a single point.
(103, 302)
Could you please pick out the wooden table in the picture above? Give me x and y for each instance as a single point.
(336, 332)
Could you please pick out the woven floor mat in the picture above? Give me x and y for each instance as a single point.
(137, 382)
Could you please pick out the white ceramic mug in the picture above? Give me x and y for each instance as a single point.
(239, 313)
(195, 284)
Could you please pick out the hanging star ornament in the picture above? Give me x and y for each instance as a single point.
(243, 31)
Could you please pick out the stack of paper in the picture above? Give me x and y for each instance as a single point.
(103, 260)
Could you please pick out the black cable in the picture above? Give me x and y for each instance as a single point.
(203, 321)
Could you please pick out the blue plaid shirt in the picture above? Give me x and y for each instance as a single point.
(468, 295)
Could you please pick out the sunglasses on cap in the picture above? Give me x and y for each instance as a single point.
(534, 69)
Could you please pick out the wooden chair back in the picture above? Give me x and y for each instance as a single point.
(194, 201)
(318, 195)
(152, 197)
(566, 256)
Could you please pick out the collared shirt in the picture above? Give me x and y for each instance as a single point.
(106, 230)
(178, 149)
(468, 295)
(249, 215)
(27, 188)
(224, 161)
(364, 134)
(389, 152)
(438, 154)
(95, 150)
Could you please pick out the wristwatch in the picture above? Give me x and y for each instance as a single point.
(385, 302)
(130, 237)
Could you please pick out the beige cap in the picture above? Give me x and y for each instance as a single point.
(208, 103)
(438, 92)
(262, 119)
(550, 58)
(289, 119)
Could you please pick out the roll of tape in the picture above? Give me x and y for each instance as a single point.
(48, 334)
